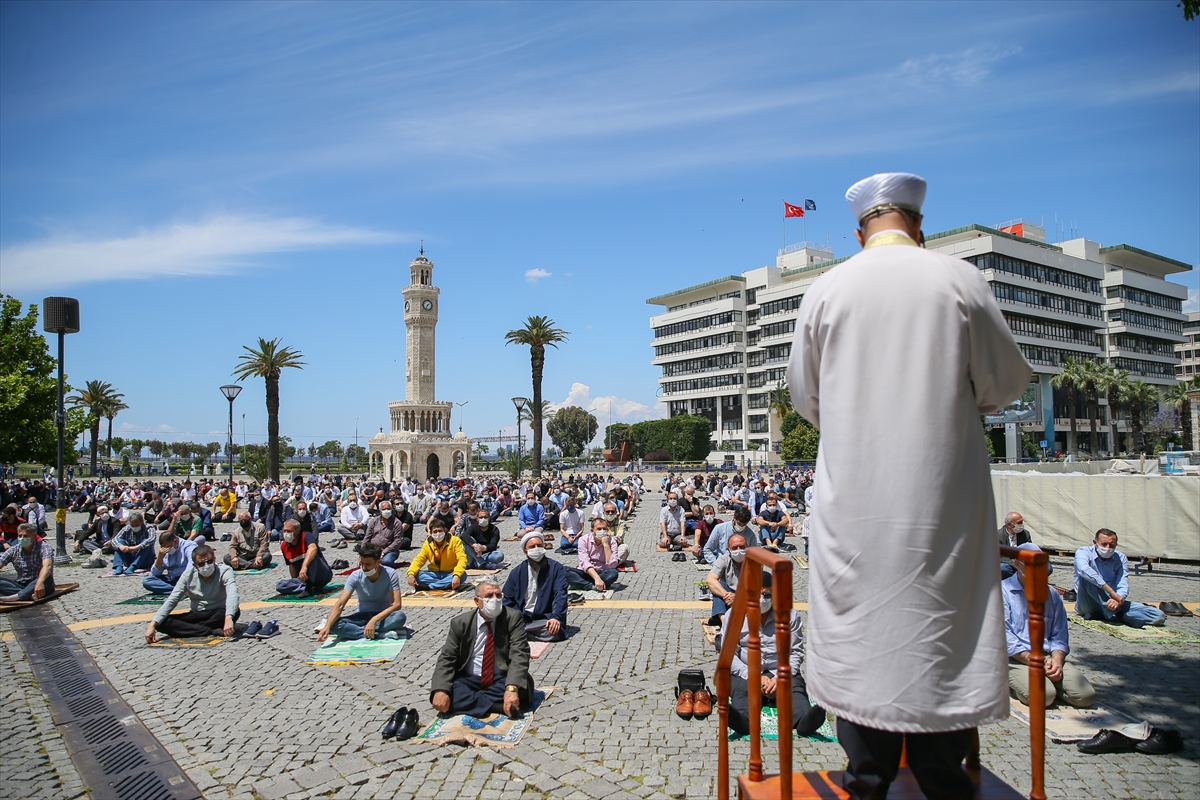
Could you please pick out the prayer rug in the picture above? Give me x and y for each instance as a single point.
(339, 652)
(769, 728)
(538, 649)
(628, 566)
(137, 573)
(494, 730)
(1067, 724)
(592, 595)
(330, 591)
(479, 573)
(1150, 633)
(711, 632)
(144, 600)
(801, 560)
(59, 591)
(240, 572)
(197, 641)
(462, 587)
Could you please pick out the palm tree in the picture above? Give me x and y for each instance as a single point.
(97, 397)
(781, 399)
(537, 333)
(267, 362)
(1112, 384)
(1177, 396)
(1141, 397)
(1071, 378)
(115, 406)
(1092, 375)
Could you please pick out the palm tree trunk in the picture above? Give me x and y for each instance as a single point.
(273, 428)
(537, 358)
(1185, 422)
(95, 443)
(1073, 445)
(1093, 413)
(1113, 400)
(108, 443)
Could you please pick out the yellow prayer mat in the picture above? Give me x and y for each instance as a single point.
(1150, 633)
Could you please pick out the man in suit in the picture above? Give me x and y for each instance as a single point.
(1013, 534)
(103, 528)
(538, 589)
(484, 666)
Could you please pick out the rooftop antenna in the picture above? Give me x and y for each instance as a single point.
(422, 247)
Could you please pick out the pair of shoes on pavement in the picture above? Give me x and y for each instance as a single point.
(338, 544)
(1159, 742)
(340, 563)
(1173, 609)
(678, 557)
(691, 704)
(403, 724)
(259, 630)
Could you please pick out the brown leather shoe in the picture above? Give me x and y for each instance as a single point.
(701, 704)
(683, 707)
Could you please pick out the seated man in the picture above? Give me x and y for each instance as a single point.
(806, 719)
(441, 563)
(133, 546)
(550, 512)
(532, 517)
(484, 665)
(103, 528)
(1102, 585)
(774, 523)
(187, 524)
(310, 571)
(538, 589)
(481, 539)
(378, 615)
(722, 580)
(598, 560)
(354, 519)
(1063, 681)
(670, 522)
(250, 547)
(718, 540)
(212, 592)
(33, 559)
(174, 558)
(322, 517)
(206, 523)
(1013, 534)
(224, 506)
(386, 532)
(570, 522)
(704, 529)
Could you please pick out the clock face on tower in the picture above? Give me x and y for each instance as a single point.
(407, 305)
(427, 305)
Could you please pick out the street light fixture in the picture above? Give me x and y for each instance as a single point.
(460, 414)
(520, 403)
(60, 315)
(231, 391)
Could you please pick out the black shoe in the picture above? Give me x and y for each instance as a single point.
(1069, 596)
(1107, 741)
(1161, 741)
(410, 726)
(252, 630)
(574, 598)
(340, 563)
(269, 630)
(394, 722)
(715, 621)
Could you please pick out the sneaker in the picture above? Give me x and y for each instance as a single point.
(391, 635)
(252, 630)
(269, 629)
(320, 625)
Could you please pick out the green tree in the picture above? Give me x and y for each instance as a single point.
(509, 463)
(616, 434)
(781, 400)
(1071, 379)
(97, 397)
(790, 420)
(115, 406)
(268, 361)
(801, 443)
(1190, 8)
(256, 463)
(1177, 396)
(330, 449)
(571, 429)
(1112, 382)
(1092, 377)
(538, 333)
(1143, 400)
(28, 388)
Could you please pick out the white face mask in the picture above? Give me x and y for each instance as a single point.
(531, 502)
(764, 605)
(610, 517)
(372, 573)
(484, 522)
(289, 537)
(137, 529)
(1018, 528)
(438, 537)
(536, 553)
(206, 570)
(672, 502)
(385, 513)
(492, 606)
(737, 555)
(302, 513)
(185, 517)
(354, 504)
(710, 519)
(738, 528)
(1105, 552)
(26, 541)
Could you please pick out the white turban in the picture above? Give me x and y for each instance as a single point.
(531, 535)
(887, 190)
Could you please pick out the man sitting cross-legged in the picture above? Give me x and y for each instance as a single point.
(538, 589)
(481, 539)
(133, 546)
(250, 547)
(1102, 585)
(310, 571)
(224, 506)
(773, 523)
(718, 541)
(1064, 681)
(484, 665)
(532, 517)
(387, 532)
(441, 563)
(378, 615)
(598, 560)
(722, 580)
(103, 528)
(33, 559)
(174, 558)
(806, 719)
(212, 591)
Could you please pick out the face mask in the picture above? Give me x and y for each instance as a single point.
(610, 517)
(536, 553)
(25, 541)
(1105, 552)
(106, 517)
(245, 524)
(484, 522)
(137, 528)
(531, 503)
(354, 504)
(438, 537)
(672, 502)
(290, 538)
(771, 509)
(601, 534)
(206, 570)
(303, 512)
(492, 606)
(764, 605)
(738, 528)
(710, 519)
(1018, 528)
(372, 573)
(387, 512)
(185, 517)
(737, 555)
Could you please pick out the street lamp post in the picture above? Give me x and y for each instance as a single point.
(520, 403)
(231, 391)
(460, 413)
(60, 315)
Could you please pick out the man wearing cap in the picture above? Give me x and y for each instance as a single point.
(906, 631)
(538, 589)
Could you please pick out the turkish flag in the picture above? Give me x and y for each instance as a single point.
(790, 210)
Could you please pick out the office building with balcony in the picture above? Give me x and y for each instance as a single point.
(724, 345)
(1188, 350)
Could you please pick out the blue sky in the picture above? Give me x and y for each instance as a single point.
(199, 175)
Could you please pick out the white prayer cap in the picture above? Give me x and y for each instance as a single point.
(531, 535)
(887, 190)
(1030, 546)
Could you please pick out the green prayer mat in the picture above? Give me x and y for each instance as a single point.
(357, 651)
(330, 591)
(1150, 633)
(144, 600)
(255, 571)
(769, 728)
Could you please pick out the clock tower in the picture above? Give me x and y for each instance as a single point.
(420, 318)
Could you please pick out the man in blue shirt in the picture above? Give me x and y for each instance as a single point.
(531, 517)
(718, 541)
(1064, 682)
(174, 558)
(378, 614)
(1102, 585)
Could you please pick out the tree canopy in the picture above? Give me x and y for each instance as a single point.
(801, 443)
(571, 429)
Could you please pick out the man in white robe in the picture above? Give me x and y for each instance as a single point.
(897, 353)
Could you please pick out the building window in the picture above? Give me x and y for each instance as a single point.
(1052, 302)
(678, 407)
(727, 295)
(1140, 344)
(759, 379)
(731, 424)
(1140, 320)
(759, 423)
(703, 343)
(704, 364)
(712, 320)
(1148, 369)
(780, 306)
(777, 329)
(1036, 272)
(762, 400)
(1050, 356)
(1141, 297)
(698, 384)
(1045, 329)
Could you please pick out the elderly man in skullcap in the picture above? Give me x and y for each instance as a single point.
(906, 625)
(538, 589)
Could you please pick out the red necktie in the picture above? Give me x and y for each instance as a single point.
(487, 673)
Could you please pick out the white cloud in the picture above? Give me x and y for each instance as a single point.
(965, 68)
(212, 246)
(622, 409)
(1193, 301)
(535, 275)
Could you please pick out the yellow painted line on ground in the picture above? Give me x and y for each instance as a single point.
(7, 636)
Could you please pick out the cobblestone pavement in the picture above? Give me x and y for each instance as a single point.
(250, 720)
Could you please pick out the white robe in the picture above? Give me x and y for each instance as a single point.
(897, 353)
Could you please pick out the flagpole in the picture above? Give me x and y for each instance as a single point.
(783, 225)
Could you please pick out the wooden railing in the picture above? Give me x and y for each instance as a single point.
(746, 605)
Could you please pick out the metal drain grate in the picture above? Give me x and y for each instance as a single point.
(144, 786)
(87, 706)
(72, 687)
(55, 652)
(64, 669)
(102, 729)
(120, 757)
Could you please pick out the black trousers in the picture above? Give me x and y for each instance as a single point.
(806, 718)
(936, 761)
(468, 697)
(195, 623)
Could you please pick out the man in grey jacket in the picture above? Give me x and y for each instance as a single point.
(212, 591)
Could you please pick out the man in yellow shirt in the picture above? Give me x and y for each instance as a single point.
(225, 506)
(441, 563)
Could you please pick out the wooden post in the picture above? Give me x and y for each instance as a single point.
(781, 597)
(753, 583)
